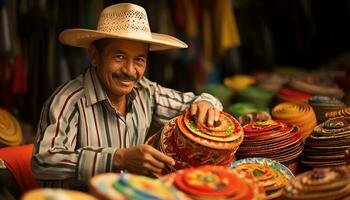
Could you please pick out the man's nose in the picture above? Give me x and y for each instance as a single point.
(129, 67)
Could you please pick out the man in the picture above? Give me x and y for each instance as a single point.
(98, 122)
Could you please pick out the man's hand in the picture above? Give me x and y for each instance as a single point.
(141, 159)
(205, 112)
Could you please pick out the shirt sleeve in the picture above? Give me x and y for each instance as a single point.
(57, 155)
(169, 103)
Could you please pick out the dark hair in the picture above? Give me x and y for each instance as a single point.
(100, 44)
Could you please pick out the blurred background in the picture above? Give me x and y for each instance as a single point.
(241, 51)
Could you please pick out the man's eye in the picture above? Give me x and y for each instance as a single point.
(119, 57)
(141, 60)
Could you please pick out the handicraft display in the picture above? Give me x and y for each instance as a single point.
(214, 182)
(279, 141)
(325, 183)
(328, 143)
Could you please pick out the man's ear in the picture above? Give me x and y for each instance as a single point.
(94, 56)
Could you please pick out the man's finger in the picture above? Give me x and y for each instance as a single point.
(153, 161)
(161, 157)
(150, 168)
(201, 115)
(211, 116)
(193, 109)
(217, 114)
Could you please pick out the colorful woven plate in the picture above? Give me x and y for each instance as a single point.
(55, 193)
(224, 132)
(211, 181)
(257, 127)
(238, 137)
(333, 126)
(141, 187)
(272, 175)
(265, 161)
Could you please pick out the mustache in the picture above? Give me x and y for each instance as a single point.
(124, 77)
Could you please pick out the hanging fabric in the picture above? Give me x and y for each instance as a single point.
(19, 80)
(226, 26)
(207, 39)
(5, 36)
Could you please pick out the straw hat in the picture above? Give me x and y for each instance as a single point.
(123, 21)
(10, 130)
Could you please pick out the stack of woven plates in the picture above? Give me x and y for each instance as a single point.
(59, 194)
(10, 130)
(279, 141)
(194, 145)
(328, 142)
(325, 183)
(299, 114)
(293, 95)
(323, 104)
(313, 86)
(345, 112)
(272, 175)
(112, 186)
(214, 182)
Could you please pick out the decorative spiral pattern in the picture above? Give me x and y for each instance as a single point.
(299, 114)
(339, 113)
(272, 175)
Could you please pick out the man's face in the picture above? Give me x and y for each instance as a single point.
(120, 65)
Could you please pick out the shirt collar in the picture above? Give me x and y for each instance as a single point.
(94, 90)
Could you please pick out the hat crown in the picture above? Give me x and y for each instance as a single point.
(125, 19)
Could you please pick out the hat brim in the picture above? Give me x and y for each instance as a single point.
(84, 37)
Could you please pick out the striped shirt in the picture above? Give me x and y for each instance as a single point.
(79, 130)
